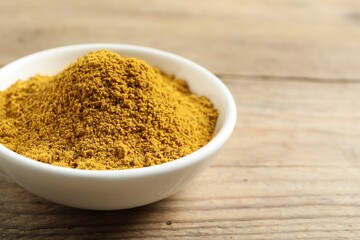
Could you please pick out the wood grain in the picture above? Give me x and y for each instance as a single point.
(291, 170)
(253, 37)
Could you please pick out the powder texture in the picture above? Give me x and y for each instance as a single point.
(105, 111)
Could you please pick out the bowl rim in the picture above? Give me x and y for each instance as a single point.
(209, 149)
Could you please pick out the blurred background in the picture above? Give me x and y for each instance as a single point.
(255, 37)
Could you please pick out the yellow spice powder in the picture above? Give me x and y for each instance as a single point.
(105, 111)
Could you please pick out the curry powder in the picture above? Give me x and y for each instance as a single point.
(102, 112)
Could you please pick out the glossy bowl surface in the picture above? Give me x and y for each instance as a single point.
(116, 189)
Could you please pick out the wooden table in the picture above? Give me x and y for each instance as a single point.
(291, 170)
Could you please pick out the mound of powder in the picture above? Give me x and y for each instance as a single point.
(105, 111)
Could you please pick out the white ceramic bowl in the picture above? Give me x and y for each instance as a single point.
(116, 189)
